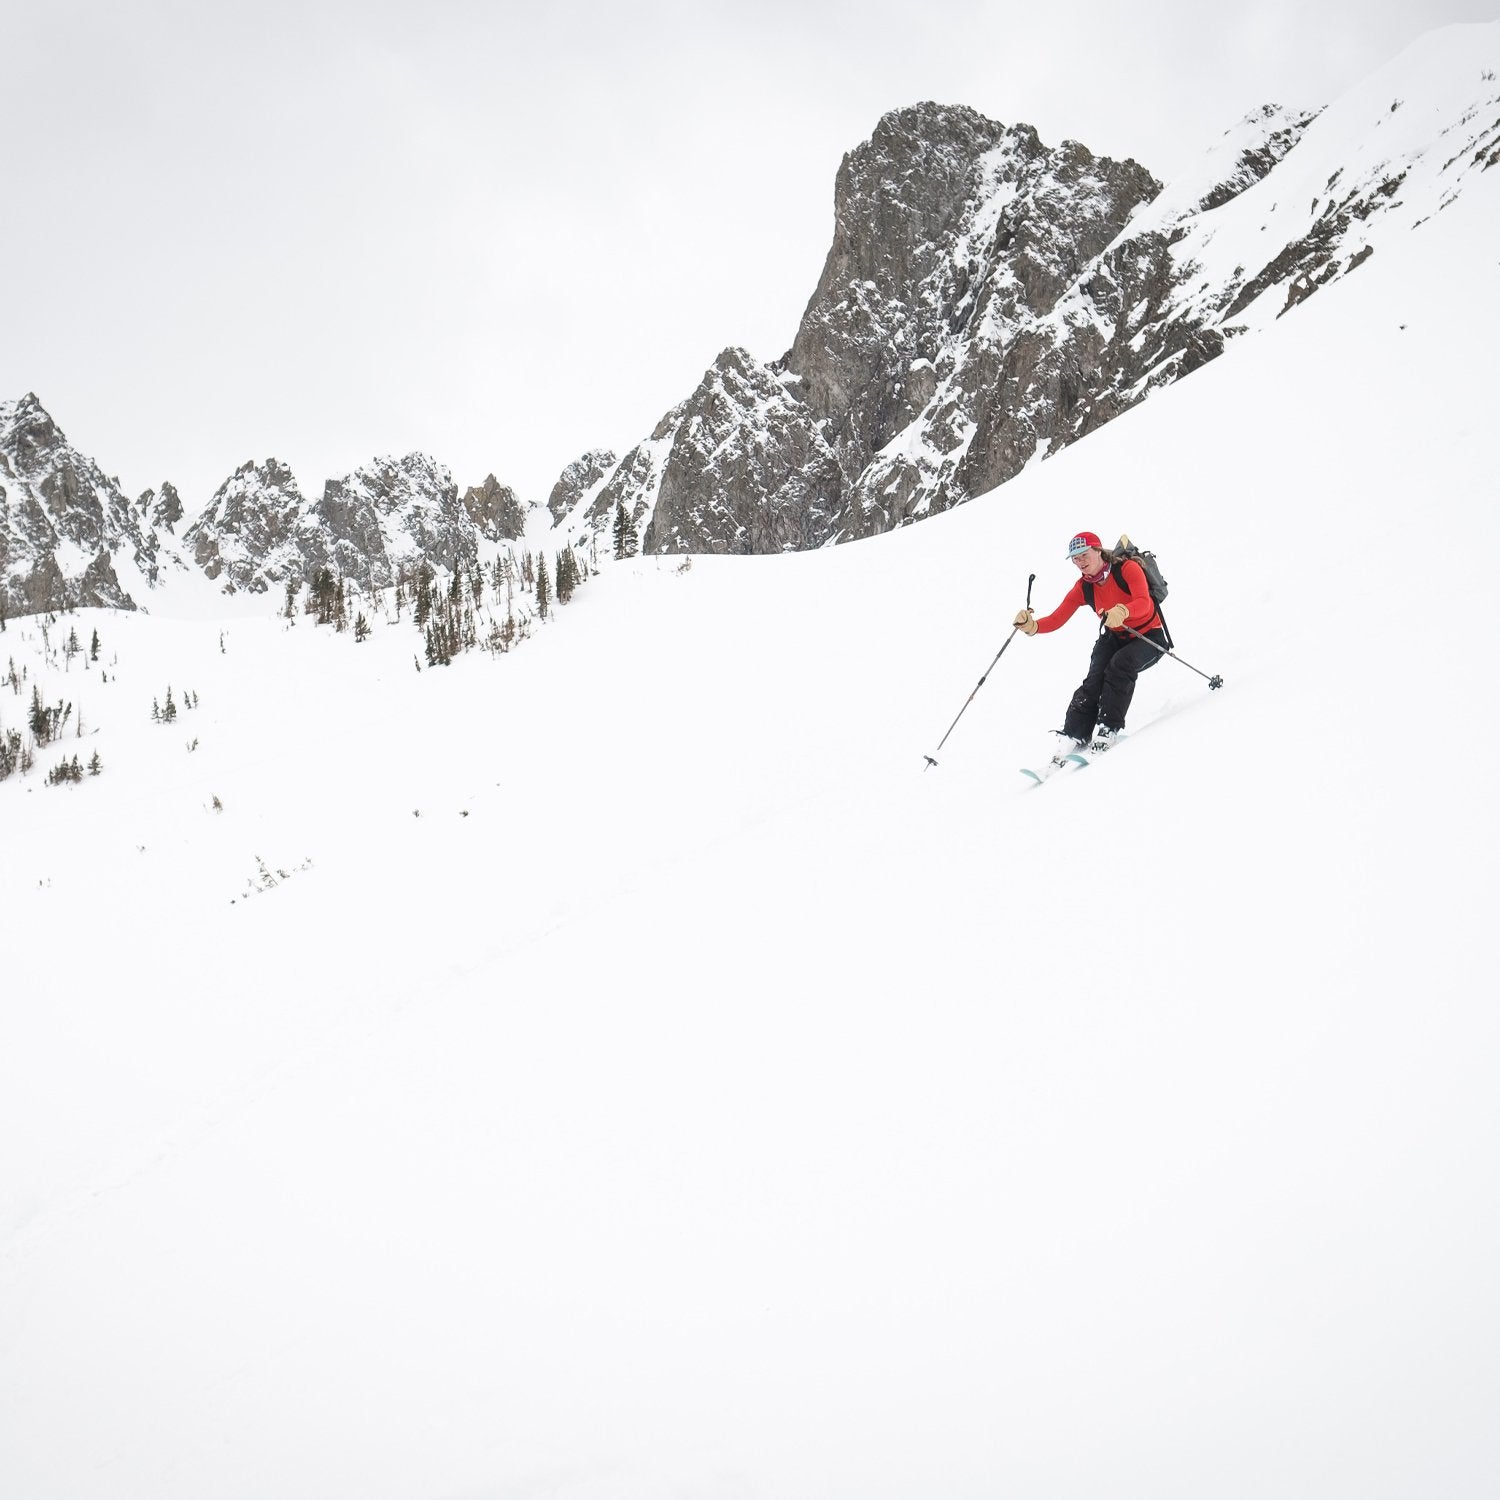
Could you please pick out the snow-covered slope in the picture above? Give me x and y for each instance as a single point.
(619, 1069)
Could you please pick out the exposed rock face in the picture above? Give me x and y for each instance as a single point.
(988, 300)
(259, 530)
(496, 511)
(728, 485)
(163, 510)
(66, 529)
(388, 515)
(953, 236)
(247, 534)
(577, 480)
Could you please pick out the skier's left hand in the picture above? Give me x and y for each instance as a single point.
(1115, 616)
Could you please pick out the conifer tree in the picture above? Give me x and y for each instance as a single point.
(543, 590)
(169, 713)
(94, 646)
(627, 540)
(10, 752)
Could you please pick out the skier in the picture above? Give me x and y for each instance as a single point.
(1096, 713)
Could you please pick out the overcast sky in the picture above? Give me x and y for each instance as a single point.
(504, 232)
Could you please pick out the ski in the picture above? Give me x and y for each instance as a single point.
(1087, 756)
(1038, 777)
(1046, 772)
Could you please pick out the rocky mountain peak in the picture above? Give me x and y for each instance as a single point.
(246, 533)
(496, 510)
(66, 528)
(387, 515)
(164, 509)
(948, 226)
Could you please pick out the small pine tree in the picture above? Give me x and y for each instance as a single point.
(169, 713)
(94, 646)
(95, 765)
(10, 752)
(361, 627)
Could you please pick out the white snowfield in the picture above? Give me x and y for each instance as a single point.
(618, 1069)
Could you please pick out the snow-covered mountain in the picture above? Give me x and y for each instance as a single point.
(988, 300)
(369, 527)
(618, 1068)
(69, 536)
(247, 533)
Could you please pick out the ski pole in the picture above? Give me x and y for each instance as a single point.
(967, 701)
(1214, 682)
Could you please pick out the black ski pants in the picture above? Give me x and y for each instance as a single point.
(1103, 697)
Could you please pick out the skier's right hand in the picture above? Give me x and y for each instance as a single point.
(1026, 622)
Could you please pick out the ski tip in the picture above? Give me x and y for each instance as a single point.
(1036, 776)
(1078, 760)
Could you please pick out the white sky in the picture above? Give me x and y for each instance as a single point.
(503, 233)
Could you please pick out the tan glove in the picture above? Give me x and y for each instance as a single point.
(1114, 617)
(1026, 622)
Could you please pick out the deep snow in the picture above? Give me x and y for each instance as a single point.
(647, 1079)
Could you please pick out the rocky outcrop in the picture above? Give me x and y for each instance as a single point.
(731, 485)
(259, 531)
(581, 479)
(953, 237)
(163, 510)
(67, 531)
(496, 511)
(988, 300)
(387, 516)
(247, 535)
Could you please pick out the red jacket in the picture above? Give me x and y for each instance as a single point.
(1143, 615)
